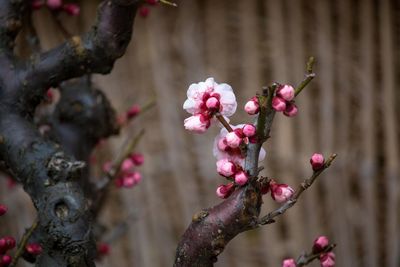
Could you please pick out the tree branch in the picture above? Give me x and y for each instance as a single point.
(94, 52)
(270, 217)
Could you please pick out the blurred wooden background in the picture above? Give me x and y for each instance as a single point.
(351, 108)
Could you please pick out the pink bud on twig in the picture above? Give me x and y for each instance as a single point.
(320, 244)
(249, 130)
(34, 248)
(5, 260)
(226, 168)
(291, 109)
(317, 161)
(289, 263)
(327, 259)
(224, 191)
(278, 103)
(280, 192)
(286, 92)
(252, 107)
(241, 178)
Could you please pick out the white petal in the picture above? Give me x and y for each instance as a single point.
(261, 157)
(190, 106)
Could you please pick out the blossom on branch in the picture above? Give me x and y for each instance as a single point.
(280, 192)
(204, 100)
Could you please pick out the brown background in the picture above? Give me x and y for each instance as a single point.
(351, 108)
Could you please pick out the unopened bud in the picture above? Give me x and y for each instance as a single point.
(317, 161)
(241, 178)
(289, 263)
(252, 107)
(286, 92)
(320, 244)
(278, 103)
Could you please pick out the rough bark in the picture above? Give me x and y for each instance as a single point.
(50, 171)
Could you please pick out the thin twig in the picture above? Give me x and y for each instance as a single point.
(224, 122)
(165, 2)
(269, 218)
(23, 242)
(306, 258)
(309, 76)
(116, 165)
(59, 24)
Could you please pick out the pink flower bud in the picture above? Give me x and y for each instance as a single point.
(3, 210)
(9, 242)
(291, 109)
(280, 192)
(213, 104)
(278, 103)
(197, 123)
(107, 166)
(233, 139)
(226, 168)
(72, 9)
(54, 4)
(37, 4)
(222, 145)
(327, 259)
(34, 248)
(137, 158)
(5, 260)
(131, 179)
(249, 130)
(144, 12)
(103, 249)
(286, 92)
(241, 178)
(119, 182)
(133, 111)
(127, 165)
(317, 161)
(252, 107)
(289, 263)
(320, 244)
(224, 191)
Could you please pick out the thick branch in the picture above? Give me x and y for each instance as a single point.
(212, 229)
(11, 13)
(93, 52)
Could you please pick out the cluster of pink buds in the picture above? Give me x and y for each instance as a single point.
(34, 249)
(127, 116)
(204, 100)
(320, 244)
(6, 243)
(128, 177)
(230, 160)
(144, 11)
(283, 101)
(57, 5)
(326, 259)
(279, 192)
(317, 161)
